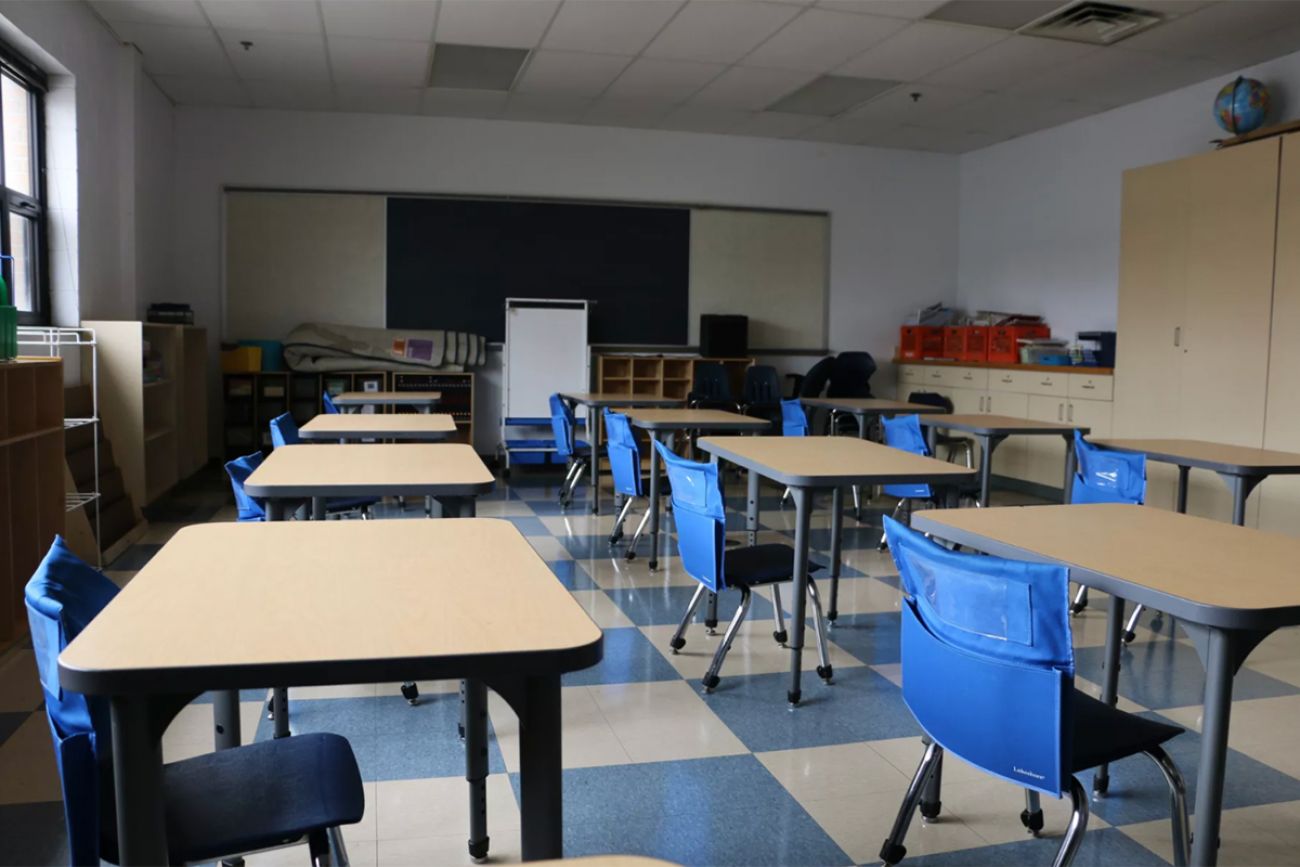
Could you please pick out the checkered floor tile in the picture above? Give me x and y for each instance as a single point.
(656, 766)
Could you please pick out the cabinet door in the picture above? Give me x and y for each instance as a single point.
(1152, 274)
(1096, 414)
(1045, 456)
(1279, 497)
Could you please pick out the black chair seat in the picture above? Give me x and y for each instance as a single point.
(762, 564)
(1105, 734)
(944, 439)
(258, 796)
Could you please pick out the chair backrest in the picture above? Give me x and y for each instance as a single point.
(331, 408)
(284, 431)
(624, 455)
(711, 383)
(794, 420)
(814, 381)
(562, 425)
(904, 432)
(988, 667)
(239, 470)
(851, 375)
(762, 386)
(62, 597)
(931, 398)
(1105, 476)
(700, 516)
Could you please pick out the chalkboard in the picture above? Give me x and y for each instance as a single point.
(453, 262)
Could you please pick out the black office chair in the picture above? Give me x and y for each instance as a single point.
(812, 383)
(943, 440)
(711, 388)
(761, 395)
(850, 375)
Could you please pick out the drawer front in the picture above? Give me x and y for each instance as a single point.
(1090, 387)
(936, 376)
(970, 377)
(1050, 384)
(912, 374)
(1016, 381)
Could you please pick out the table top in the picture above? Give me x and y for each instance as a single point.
(870, 405)
(690, 419)
(367, 425)
(600, 399)
(229, 605)
(993, 425)
(823, 462)
(370, 470)
(1203, 571)
(1220, 457)
(369, 398)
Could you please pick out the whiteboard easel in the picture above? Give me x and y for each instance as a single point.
(546, 351)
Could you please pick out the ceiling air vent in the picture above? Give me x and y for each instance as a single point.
(1092, 23)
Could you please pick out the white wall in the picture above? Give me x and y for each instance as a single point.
(1040, 215)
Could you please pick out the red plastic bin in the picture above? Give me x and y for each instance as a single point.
(1004, 341)
(920, 341)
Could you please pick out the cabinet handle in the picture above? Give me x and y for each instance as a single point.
(1070, 414)
(1060, 412)
(1088, 386)
(1046, 382)
(981, 404)
(1178, 335)
(988, 403)
(934, 374)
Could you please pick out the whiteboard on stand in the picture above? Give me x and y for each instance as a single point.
(546, 352)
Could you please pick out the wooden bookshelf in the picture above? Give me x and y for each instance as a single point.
(32, 467)
(660, 375)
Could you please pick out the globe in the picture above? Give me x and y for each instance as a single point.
(1241, 105)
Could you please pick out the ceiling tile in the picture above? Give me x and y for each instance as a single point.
(1116, 77)
(897, 107)
(287, 16)
(919, 50)
(369, 99)
(177, 50)
(570, 73)
(612, 111)
(820, 40)
(292, 95)
(831, 94)
(890, 8)
(623, 27)
(178, 13)
(379, 61)
(277, 56)
(775, 124)
(750, 88)
(380, 19)
(668, 80)
(707, 119)
(1219, 30)
(1010, 62)
(1004, 14)
(545, 107)
(717, 30)
(476, 67)
(450, 102)
(187, 90)
(505, 23)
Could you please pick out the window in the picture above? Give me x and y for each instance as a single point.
(22, 199)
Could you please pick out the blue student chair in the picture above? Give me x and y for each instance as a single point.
(331, 408)
(284, 432)
(293, 788)
(904, 432)
(988, 672)
(239, 470)
(576, 453)
(625, 465)
(700, 515)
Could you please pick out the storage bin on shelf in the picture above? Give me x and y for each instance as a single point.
(1004, 341)
(241, 359)
(920, 341)
(966, 342)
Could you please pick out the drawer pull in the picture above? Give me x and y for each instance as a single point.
(1007, 380)
(1047, 382)
(1089, 386)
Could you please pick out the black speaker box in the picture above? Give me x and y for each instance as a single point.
(724, 336)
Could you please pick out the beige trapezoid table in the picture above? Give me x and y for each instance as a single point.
(810, 464)
(663, 425)
(353, 401)
(335, 603)
(405, 427)
(1171, 562)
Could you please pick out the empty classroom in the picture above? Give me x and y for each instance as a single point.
(788, 433)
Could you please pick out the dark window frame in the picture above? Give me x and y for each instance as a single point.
(34, 206)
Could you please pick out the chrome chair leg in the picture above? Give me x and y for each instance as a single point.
(1032, 816)
(569, 472)
(636, 537)
(617, 532)
(857, 503)
(711, 679)
(1080, 600)
(411, 692)
(339, 850)
(678, 640)
(824, 671)
(1130, 628)
(785, 496)
(778, 615)
(1177, 805)
(892, 850)
(883, 544)
(318, 844)
(1078, 824)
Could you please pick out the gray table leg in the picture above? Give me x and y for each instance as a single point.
(279, 708)
(1110, 676)
(540, 778)
(803, 508)
(837, 532)
(137, 759)
(751, 506)
(1181, 504)
(1239, 494)
(225, 719)
(275, 510)
(1070, 459)
(318, 508)
(1219, 667)
(596, 427)
(654, 503)
(476, 764)
(987, 444)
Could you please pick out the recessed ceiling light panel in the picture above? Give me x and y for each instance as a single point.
(830, 95)
(475, 67)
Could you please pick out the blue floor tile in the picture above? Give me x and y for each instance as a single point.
(593, 546)
(33, 834)
(629, 658)
(392, 740)
(721, 811)
(134, 558)
(1161, 674)
(650, 606)
(9, 723)
(1102, 847)
(529, 526)
(871, 638)
(572, 575)
(859, 706)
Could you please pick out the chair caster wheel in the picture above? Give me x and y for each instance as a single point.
(1129, 637)
(1032, 821)
(930, 809)
(1100, 786)
(677, 644)
(629, 556)
(892, 853)
(1157, 624)
(411, 693)
(825, 672)
(711, 682)
(270, 708)
(1077, 607)
(478, 851)
(614, 537)
(781, 637)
